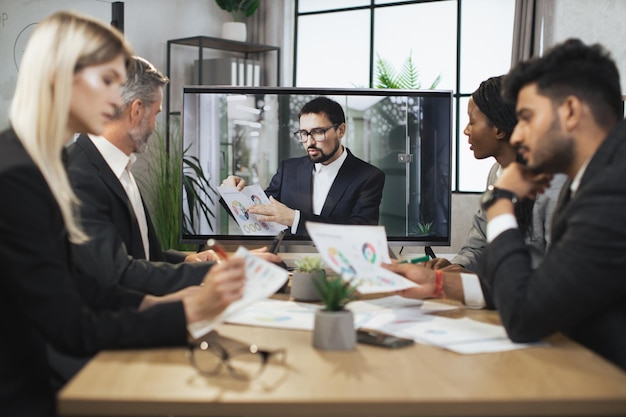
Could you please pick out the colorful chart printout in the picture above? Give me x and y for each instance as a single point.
(356, 252)
(240, 201)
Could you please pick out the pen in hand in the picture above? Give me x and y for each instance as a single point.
(221, 253)
(415, 260)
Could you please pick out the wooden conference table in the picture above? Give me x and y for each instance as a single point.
(562, 379)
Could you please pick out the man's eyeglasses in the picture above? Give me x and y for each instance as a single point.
(318, 134)
(242, 361)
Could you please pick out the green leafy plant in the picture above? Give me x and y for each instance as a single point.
(425, 228)
(335, 292)
(198, 192)
(309, 264)
(239, 9)
(407, 78)
(161, 185)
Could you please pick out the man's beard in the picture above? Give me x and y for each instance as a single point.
(557, 153)
(140, 135)
(323, 157)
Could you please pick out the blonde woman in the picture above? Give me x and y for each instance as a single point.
(69, 81)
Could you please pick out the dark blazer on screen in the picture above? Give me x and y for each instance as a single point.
(354, 197)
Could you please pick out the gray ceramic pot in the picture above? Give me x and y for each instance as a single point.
(302, 287)
(334, 330)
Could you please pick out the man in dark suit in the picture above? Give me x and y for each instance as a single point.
(570, 120)
(123, 247)
(330, 185)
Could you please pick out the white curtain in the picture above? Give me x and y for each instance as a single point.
(524, 31)
(272, 24)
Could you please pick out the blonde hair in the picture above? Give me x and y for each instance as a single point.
(63, 44)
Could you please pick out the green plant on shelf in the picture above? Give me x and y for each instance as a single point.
(239, 9)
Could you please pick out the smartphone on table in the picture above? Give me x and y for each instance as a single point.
(378, 338)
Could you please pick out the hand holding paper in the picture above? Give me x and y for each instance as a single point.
(262, 280)
(358, 251)
(239, 203)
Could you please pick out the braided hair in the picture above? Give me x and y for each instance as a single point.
(501, 114)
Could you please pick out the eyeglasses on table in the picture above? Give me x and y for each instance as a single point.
(242, 361)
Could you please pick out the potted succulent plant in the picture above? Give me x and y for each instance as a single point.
(333, 328)
(238, 9)
(309, 270)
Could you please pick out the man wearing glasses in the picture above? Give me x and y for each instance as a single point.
(329, 185)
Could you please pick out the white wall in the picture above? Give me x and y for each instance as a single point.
(597, 21)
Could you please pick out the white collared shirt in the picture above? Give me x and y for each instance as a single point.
(120, 164)
(323, 178)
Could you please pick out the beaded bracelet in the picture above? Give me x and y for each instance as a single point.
(439, 293)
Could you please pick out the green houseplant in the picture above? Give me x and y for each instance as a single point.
(309, 271)
(335, 292)
(333, 328)
(161, 184)
(407, 78)
(239, 9)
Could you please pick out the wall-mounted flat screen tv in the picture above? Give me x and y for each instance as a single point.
(247, 131)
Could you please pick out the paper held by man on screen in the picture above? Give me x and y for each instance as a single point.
(239, 202)
(356, 252)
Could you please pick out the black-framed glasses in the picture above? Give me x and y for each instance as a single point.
(244, 362)
(318, 134)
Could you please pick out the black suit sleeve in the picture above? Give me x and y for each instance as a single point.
(41, 291)
(580, 286)
(105, 256)
(362, 208)
(354, 197)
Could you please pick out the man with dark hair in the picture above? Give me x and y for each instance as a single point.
(330, 185)
(570, 120)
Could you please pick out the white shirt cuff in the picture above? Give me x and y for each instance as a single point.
(296, 220)
(472, 291)
(499, 224)
(202, 327)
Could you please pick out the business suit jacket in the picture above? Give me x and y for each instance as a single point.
(354, 197)
(580, 286)
(41, 300)
(115, 253)
(538, 237)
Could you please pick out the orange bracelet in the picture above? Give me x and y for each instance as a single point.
(439, 293)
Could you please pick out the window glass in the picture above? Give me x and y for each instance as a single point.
(305, 6)
(427, 32)
(333, 50)
(486, 39)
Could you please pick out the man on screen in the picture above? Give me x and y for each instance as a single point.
(329, 185)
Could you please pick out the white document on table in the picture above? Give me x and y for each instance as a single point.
(300, 316)
(239, 202)
(463, 335)
(356, 252)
